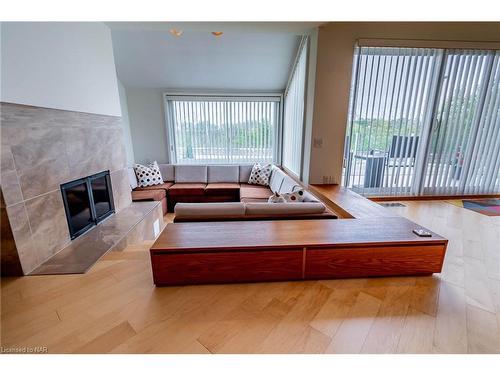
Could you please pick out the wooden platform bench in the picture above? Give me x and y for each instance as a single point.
(230, 252)
(348, 204)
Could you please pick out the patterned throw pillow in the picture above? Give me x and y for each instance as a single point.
(148, 175)
(260, 174)
(296, 196)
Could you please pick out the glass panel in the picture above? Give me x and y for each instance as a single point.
(223, 131)
(101, 196)
(79, 206)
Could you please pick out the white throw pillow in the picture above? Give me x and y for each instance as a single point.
(276, 198)
(149, 175)
(260, 174)
(296, 196)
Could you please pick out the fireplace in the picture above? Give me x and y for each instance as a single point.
(87, 202)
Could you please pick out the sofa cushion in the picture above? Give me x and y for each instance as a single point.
(260, 174)
(148, 195)
(245, 171)
(284, 208)
(187, 189)
(148, 175)
(259, 192)
(215, 210)
(276, 180)
(167, 172)
(222, 188)
(165, 186)
(132, 178)
(254, 200)
(288, 185)
(190, 174)
(223, 173)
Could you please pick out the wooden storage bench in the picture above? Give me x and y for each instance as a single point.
(227, 252)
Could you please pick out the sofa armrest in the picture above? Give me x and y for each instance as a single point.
(285, 208)
(212, 210)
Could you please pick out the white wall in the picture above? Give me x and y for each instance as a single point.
(66, 66)
(147, 124)
(127, 136)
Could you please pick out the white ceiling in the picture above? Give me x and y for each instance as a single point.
(247, 57)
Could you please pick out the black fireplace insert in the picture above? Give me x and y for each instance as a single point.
(87, 201)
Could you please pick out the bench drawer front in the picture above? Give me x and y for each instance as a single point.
(226, 267)
(373, 261)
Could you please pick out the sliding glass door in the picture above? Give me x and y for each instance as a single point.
(482, 174)
(464, 151)
(423, 121)
(391, 100)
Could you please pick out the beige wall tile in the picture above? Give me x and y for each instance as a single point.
(48, 223)
(11, 188)
(19, 223)
(121, 189)
(7, 161)
(43, 178)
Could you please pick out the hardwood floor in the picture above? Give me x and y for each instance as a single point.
(115, 308)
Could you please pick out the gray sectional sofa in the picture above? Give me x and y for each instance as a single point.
(222, 192)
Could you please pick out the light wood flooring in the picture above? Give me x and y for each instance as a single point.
(115, 307)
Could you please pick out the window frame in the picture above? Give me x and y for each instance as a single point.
(222, 96)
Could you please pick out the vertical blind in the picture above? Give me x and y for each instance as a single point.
(423, 121)
(222, 130)
(293, 119)
(480, 176)
(390, 99)
(464, 150)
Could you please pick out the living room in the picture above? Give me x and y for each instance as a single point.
(250, 187)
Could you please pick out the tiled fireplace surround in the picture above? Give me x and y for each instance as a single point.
(43, 148)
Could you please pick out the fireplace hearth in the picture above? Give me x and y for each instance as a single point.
(87, 202)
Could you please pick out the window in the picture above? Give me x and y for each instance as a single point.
(223, 130)
(419, 121)
(293, 119)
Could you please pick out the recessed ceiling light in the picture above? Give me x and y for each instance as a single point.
(175, 32)
(217, 33)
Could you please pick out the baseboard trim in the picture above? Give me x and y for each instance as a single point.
(431, 197)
